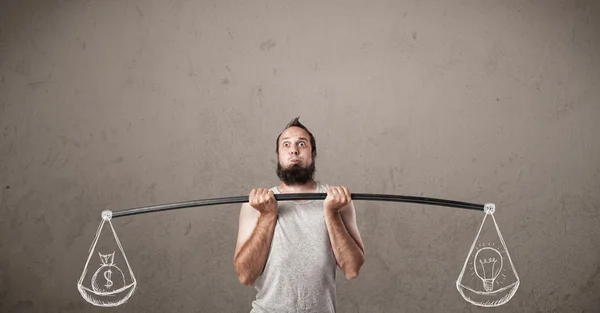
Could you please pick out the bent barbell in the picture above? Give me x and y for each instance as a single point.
(297, 196)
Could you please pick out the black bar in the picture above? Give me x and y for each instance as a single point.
(299, 196)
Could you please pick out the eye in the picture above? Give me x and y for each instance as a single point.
(302, 144)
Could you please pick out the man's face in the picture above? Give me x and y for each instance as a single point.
(295, 164)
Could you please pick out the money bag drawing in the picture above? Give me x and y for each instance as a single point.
(109, 285)
(108, 277)
(488, 277)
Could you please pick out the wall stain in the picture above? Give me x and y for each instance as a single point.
(589, 284)
(266, 45)
(137, 8)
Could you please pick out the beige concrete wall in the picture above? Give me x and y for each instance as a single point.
(120, 104)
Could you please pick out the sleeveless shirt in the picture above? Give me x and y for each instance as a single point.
(300, 271)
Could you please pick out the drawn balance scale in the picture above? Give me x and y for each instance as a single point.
(109, 286)
(487, 279)
(491, 279)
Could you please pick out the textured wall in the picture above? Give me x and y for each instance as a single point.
(119, 104)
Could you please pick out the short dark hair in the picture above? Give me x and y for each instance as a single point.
(296, 122)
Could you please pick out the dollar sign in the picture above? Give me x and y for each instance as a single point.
(109, 282)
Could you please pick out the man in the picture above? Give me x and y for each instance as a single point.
(289, 250)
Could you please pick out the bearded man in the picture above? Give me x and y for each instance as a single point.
(290, 250)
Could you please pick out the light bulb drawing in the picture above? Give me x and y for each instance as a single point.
(491, 279)
(488, 265)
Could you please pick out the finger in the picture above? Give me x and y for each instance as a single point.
(271, 196)
(336, 193)
(263, 195)
(347, 193)
(340, 195)
(260, 197)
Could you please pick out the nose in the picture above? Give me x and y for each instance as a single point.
(293, 150)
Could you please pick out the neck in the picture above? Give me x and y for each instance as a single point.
(309, 187)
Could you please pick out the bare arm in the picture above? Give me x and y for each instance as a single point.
(254, 241)
(345, 240)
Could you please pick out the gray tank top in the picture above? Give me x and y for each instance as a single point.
(300, 272)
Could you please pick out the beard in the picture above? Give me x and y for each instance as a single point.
(296, 174)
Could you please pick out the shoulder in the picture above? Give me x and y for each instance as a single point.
(324, 185)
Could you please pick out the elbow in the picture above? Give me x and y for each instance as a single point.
(352, 272)
(351, 275)
(243, 277)
(245, 280)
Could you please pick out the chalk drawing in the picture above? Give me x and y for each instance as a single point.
(109, 286)
(488, 277)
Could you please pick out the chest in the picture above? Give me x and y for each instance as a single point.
(301, 228)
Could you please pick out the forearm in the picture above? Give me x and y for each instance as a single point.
(252, 257)
(348, 254)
